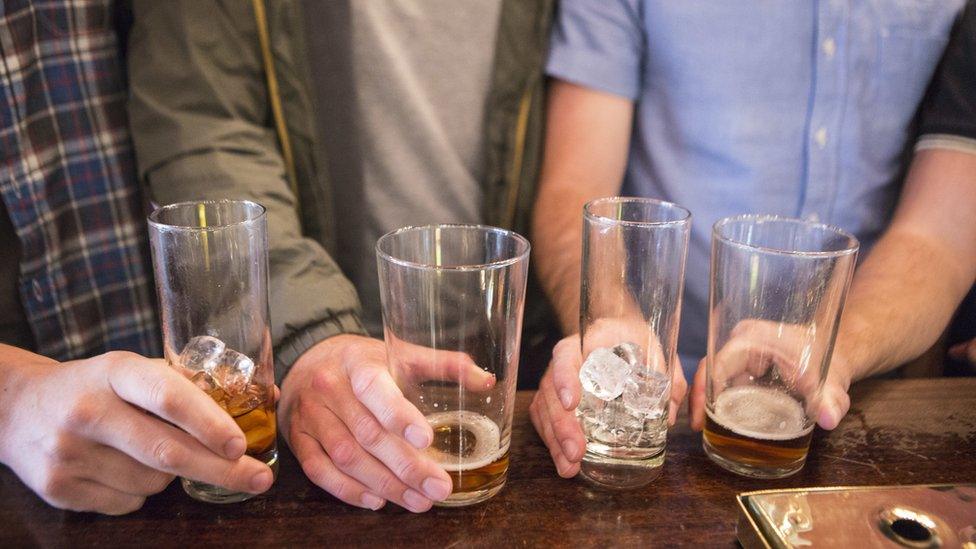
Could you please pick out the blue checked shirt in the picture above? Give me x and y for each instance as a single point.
(798, 108)
(68, 182)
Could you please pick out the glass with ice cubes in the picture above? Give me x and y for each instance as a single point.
(634, 253)
(211, 266)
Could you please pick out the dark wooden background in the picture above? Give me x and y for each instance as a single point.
(898, 432)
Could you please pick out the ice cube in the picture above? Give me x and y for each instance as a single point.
(646, 394)
(603, 374)
(202, 353)
(203, 381)
(631, 352)
(233, 371)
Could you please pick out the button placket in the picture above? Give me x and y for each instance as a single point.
(826, 104)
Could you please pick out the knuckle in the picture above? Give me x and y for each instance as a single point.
(306, 406)
(390, 487)
(157, 482)
(164, 397)
(562, 346)
(364, 381)
(61, 450)
(316, 471)
(389, 414)
(407, 469)
(345, 490)
(343, 453)
(231, 477)
(123, 506)
(84, 412)
(367, 431)
(324, 382)
(131, 506)
(55, 485)
(168, 454)
(117, 359)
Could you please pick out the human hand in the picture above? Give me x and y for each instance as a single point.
(760, 348)
(964, 351)
(355, 433)
(79, 435)
(553, 408)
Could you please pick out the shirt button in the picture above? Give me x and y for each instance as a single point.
(829, 47)
(821, 137)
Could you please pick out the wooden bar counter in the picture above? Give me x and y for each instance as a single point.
(897, 432)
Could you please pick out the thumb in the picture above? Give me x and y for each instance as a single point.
(833, 406)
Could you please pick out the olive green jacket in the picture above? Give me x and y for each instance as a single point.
(221, 107)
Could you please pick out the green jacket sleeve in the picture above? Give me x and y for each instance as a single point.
(202, 128)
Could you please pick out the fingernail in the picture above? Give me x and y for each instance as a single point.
(416, 436)
(261, 481)
(566, 398)
(570, 449)
(416, 502)
(436, 489)
(828, 419)
(234, 448)
(373, 502)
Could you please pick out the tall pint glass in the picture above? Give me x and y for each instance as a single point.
(211, 265)
(634, 252)
(452, 299)
(778, 287)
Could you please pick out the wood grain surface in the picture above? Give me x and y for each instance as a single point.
(898, 432)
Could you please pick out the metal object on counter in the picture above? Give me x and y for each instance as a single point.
(919, 516)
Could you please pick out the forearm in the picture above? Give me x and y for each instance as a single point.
(587, 136)
(900, 302)
(905, 292)
(557, 239)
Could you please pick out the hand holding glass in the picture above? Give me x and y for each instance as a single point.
(778, 286)
(211, 266)
(452, 314)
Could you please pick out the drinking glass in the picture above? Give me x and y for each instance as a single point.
(778, 286)
(211, 266)
(452, 299)
(634, 252)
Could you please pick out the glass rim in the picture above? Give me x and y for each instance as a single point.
(590, 216)
(851, 248)
(153, 216)
(522, 255)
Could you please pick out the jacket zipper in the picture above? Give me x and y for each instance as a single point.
(518, 154)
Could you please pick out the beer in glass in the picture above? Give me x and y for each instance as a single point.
(452, 299)
(778, 286)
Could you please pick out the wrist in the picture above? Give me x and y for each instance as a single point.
(853, 357)
(288, 351)
(17, 366)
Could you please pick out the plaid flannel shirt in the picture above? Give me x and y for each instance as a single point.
(68, 181)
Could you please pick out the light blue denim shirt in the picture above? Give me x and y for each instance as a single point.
(798, 108)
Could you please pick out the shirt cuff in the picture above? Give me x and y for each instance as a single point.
(296, 344)
(594, 71)
(946, 141)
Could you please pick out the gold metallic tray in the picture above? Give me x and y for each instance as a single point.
(916, 516)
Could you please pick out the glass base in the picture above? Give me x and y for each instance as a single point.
(463, 499)
(215, 494)
(751, 471)
(621, 473)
